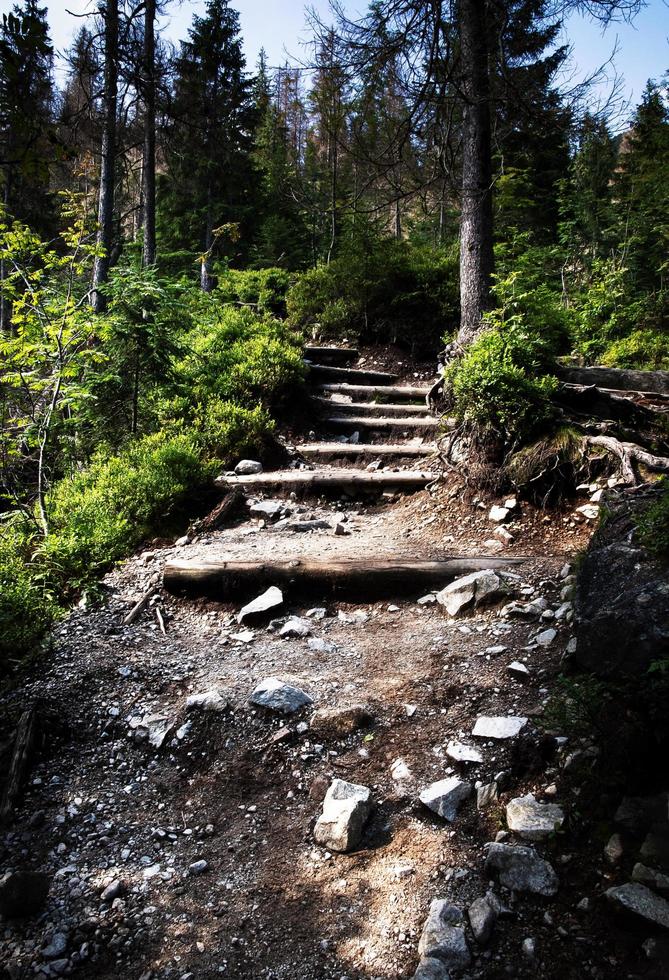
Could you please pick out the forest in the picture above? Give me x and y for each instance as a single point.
(175, 221)
(428, 184)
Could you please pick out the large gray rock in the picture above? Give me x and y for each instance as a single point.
(521, 869)
(651, 878)
(641, 902)
(532, 820)
(270, 510)
(482, 919)
(339, 722)
(470, 590)
(23, 893)
(346, 809)
(268, 602)
(443, 936)
(430, 968)
(502, 726)
(446, 796)
(460, 752)
(248, 467)
(278, 696)
(655, 848)
(212, 700)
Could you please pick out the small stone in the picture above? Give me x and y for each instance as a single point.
(56, 948)
(410, 710)
(498, 514)
(156, 728)
(320, 645)
(563, 611)
(245, 636)
(23, 893)
(655, 848)
(518, 670)
(446, 796)
(460, 752)
(341, 530)
(296, 627)
(339, 722)
(529, 948)
(268, 510)
(182, 541)
(248, 467)
(317, 613)
(443, 936)
(641, 902)
(197, 867)
(486, 795)
(521, 869)
(346, 809)
(269, 601)
(114, 890)
(503, 535)
(546, 638)
(278, 696)
(589, 511)
(207, 701)
(651, 878)
(431, 968)
(482, 919)
(500, 727)
(532, 820)
(393, 608)
(427, 600)
(614, 850)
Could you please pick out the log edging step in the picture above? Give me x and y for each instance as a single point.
(320, 479)
(373, 579)
(325, 449)
(352, 374)
(374, 391)
(373, 409)
(380, 422)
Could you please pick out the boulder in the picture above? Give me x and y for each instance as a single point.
(346, 809)
(207, 701)
(269, 601)
(532, 820)
(23, 893)
(521, 869)
(651, 878)
(339, 722)
(499, 727)
(270, 510)
(473, 589)
(446, 796)
(443, 936)
(248, 467)
(640, 902)
(430, 968)
(277, 696)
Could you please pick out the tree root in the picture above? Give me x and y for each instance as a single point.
(629, 453)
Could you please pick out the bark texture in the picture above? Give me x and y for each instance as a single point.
(149, 153)
(108, 155)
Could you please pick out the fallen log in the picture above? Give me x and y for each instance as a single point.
(617, 378)
(18, 768)
(373, 579)
(335, 479)
(607, 404)
(222, 512)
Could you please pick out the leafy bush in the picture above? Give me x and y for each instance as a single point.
(654, 524)
(388, 290)
(263, 289)
(645, 349)
(99, 515)
(26, 607)
(227, 431)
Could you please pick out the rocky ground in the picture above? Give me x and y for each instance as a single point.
(185, 836)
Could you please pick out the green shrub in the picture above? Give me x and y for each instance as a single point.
(653, 525)
(228, 431)
(99, 515)
(386, 290)
(643, 349)
(26, 607)
(263, 289)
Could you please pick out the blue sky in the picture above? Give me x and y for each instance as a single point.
(279, 27)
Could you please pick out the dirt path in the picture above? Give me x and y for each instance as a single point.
(241, 789)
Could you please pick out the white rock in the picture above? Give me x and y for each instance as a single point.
(248, 467)
(532, 820)
(427, 600)
(277, 696)
(641, 902)
(498, 514)
(470, 589)
(562, 612)
(446, 796)
(270, 510)
(518, 669)
(463, 753)
(296, 627)
(503, 535)
(320, 645)
(502, 726)
(269, 600)
(589, 511)
(346, 808)
(546, 638)
(207, 701)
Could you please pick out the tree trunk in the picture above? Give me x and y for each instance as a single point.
(149, 155)
(476, 220)
(206, 279)
(108, 161)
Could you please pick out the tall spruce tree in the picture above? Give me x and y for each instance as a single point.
(208, 138)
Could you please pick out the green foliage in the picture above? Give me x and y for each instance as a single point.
(388, 290)
(26, 607)
(100, 514)
(262, 289)
(647, 349)
(576, 706)
(653, 527)
(228, 431)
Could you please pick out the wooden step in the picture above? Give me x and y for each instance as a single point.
(331, 355)
(332, 450)
(337, 479)
(372, 392)
(323, 372)
(372, 409)
(617, 379)
(362, 579)
(386, 425)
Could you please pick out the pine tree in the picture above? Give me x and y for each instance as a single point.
(208, 138)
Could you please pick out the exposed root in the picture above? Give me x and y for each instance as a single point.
(630, 454)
